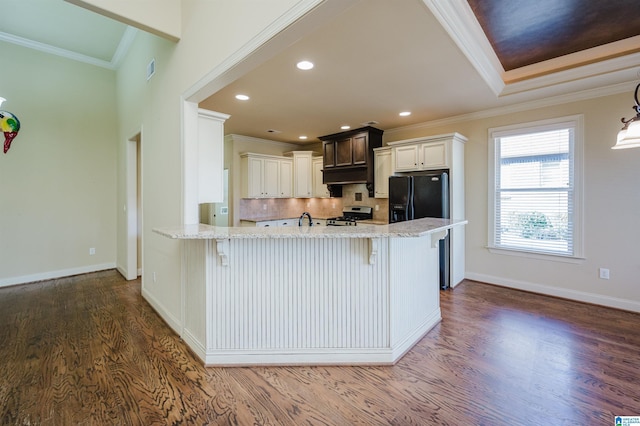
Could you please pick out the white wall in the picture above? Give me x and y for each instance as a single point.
(611, 206)
(58, 180)
(211, 32)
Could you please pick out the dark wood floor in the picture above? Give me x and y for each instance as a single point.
(89, 350)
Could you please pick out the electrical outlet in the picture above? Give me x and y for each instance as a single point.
(92, 251)
(377, 207)
(154, 276)
(604, 273)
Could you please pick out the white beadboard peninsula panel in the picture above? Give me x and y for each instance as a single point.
(299, 294)
(196, 257)
(309, 298)
(415, 301)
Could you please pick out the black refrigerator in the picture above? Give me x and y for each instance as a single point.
(422, 195)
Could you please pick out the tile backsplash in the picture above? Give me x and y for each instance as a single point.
(284, 208)
(358, 195)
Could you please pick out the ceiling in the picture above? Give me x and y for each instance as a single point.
(436, 59)
(63, 29)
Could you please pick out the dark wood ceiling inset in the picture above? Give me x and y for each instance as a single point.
(524, 32)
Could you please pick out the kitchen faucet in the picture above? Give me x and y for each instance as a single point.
(302, 217)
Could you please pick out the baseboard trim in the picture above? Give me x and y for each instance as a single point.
(171, 321)
(579, 296)
(50, 275)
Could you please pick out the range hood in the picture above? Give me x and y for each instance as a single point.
(348, 157)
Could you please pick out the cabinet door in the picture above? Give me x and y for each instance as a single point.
(329, 154)
(359, 146)
(286, 179)
(254, 178)
(382, 164)
(319, 189)
(344, 152)
(434, 156)
(271, 178)
(406, 158)
(302, 185)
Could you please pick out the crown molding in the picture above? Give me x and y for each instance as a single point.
(458, 20)
(126, 41)
(123, 47)
(523, 106)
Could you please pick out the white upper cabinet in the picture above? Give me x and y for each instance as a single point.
(265, 176)
(302, 173)
(271, 178)
(286, 178)
(320, 190)
(406, 158)
(383, 169)
(420, 156)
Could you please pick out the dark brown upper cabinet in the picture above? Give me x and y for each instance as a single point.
(348, 156)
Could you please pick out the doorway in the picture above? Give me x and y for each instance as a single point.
(133, 208)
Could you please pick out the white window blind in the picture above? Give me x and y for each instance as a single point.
(534, 200)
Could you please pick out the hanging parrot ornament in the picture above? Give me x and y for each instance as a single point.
(10, 125)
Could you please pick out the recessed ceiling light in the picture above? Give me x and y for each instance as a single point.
(345, 127)
(242, 97)
(304, 65)
(302, 137)
(405, 113)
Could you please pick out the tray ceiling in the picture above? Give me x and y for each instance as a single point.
(437, 59)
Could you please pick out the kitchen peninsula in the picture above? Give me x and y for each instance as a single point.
(309, 295)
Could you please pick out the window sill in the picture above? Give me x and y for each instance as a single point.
(535, 255)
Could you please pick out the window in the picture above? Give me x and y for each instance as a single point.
(535, 187)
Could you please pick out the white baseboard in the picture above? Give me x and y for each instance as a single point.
(171, 321)
(50, 275)
(580, 296)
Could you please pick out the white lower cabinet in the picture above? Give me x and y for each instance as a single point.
(281, 222)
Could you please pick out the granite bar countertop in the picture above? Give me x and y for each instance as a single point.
(412, 228)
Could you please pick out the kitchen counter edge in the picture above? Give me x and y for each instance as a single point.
(412, 228)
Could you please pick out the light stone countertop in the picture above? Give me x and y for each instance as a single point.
(412, 228)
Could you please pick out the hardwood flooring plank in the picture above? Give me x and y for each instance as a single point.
(88, 350)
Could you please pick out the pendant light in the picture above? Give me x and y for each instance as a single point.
(629, 135)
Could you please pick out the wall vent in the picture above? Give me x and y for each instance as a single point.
(151, 68)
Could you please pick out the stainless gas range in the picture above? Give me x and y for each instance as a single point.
(351, 215)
